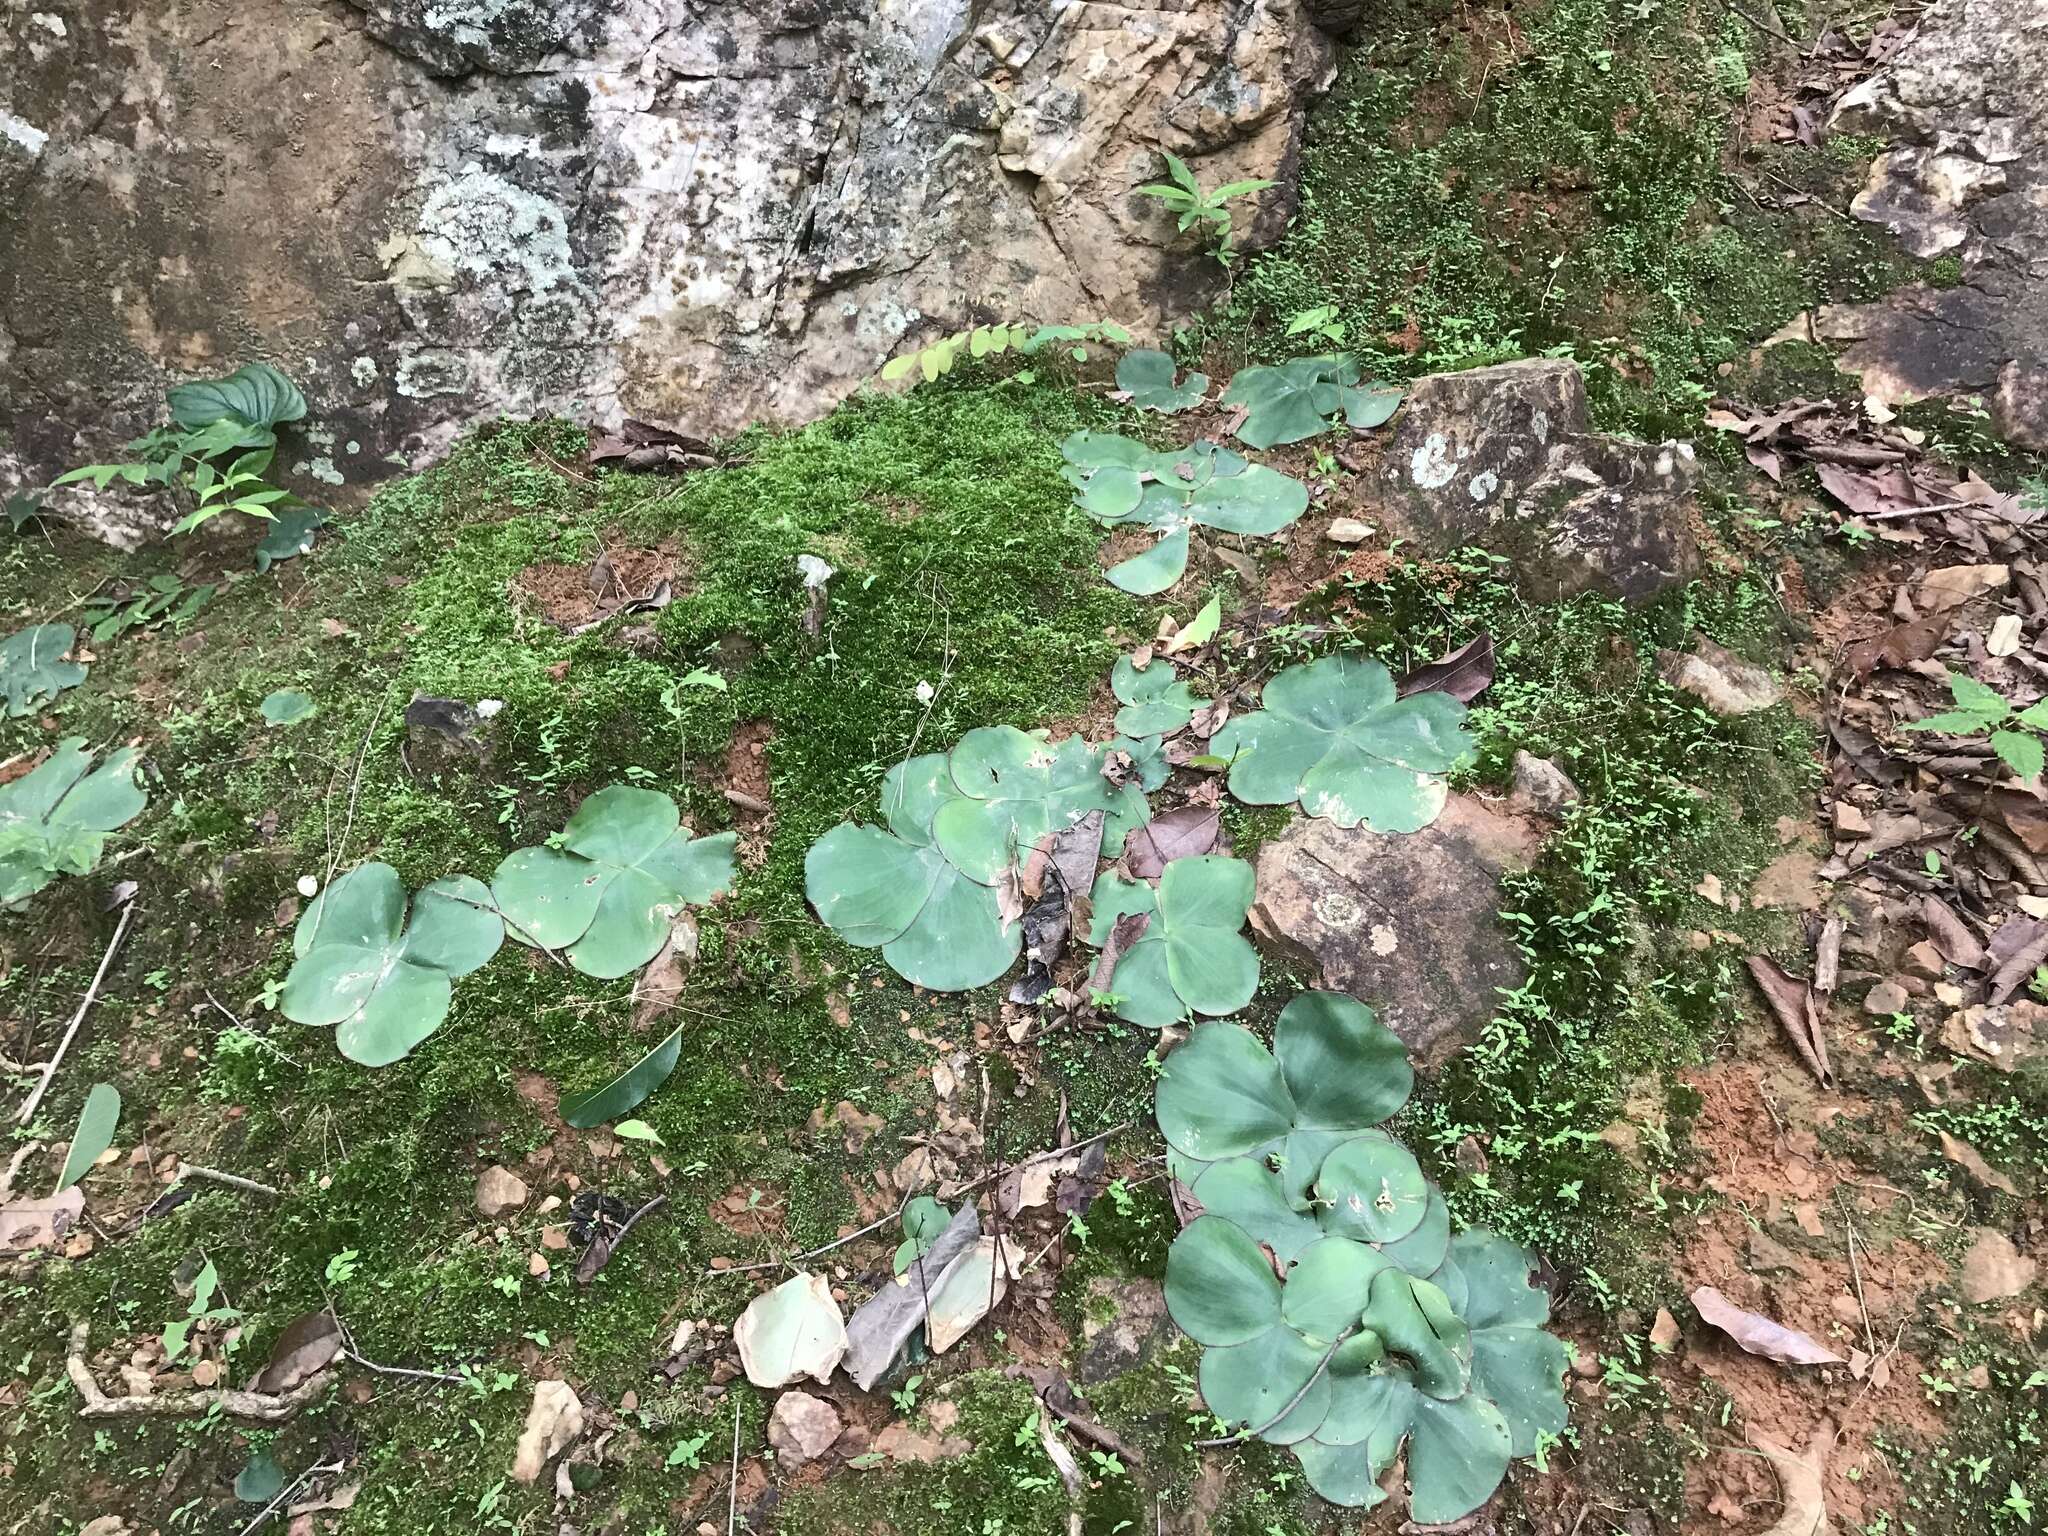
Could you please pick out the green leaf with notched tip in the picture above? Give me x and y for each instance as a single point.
(1221, 1095)
(1220, 1289)
(1147, 377)
(1333, 735)
(1192, 957)
(1012, 789)
(1250, 1384)
(383, 983)
(1344, 1068)
(1328, 1288)
(1155, 701)
(609, 895)
(933, 925)
(1291, 401)
(1245, 1191)
(33, 669)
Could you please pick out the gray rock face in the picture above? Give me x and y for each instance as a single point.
(1404, 923)
(696, 213)
(1503, 457)
(1967, 103)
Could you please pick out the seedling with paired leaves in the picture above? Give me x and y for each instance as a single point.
(33, 670)
(608, 889)
(1192, 957)
(1183, 195)
(1122, 483)
(55, 820)
(1333, 735)
(1979, 709)
(385, 983)
(1291, 401)
(925, 890)
(213, 455)
(1381, 1336)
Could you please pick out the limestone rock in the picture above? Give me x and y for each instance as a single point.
(802, 1428)
(1503, 457)
(1965, 103)
(1718, 678)
(1347, 530)
(1405, 923)
(554, 1420)
(498, 1190)
(1542, 786)
(697, 215)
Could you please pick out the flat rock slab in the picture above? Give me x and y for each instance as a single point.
(1406, 923)
(1504, 458)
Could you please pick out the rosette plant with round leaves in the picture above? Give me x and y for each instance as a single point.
(1300, 399)
(1333, 735)
(1123, 483)
(383, 982)
(924, 890)
(1155, 701)
(609, 892)
(1192, 957)
(1339, 1316)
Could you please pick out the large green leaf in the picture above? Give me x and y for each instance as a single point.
(1155, 700)
(1249, 1384)
(609, 895)
(933, 925)
(1328, 1289)
(1514, 1362)
(255, 394)
(626, 1091)
(1344, 1068)
(55, 819)
(1147, 377)
(1291, 401)
(1372, 1190)
(1333, 735)
(1220, 1288)
(1221, 1095)
(382, 983)
(33, 669)
(1013, 789)
(1192, 958)
(94, 1134)
(1152, 571)
(1245, 1191)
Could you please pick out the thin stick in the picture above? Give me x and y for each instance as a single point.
(732, 1490)
(263, 1407)
(897, 1214)
(1252, 1434)
(227, 1180)
(1856, 1272)
(35, 1099)
(286, 1492)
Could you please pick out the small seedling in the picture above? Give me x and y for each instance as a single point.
(1184, 196)
(1979, 709)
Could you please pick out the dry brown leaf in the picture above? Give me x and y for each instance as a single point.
(304, 1348)
(1971, 1161)
(1183, 833)
(1791, 1002)
(1759, 1335)
(1801, 1482)
(1464, 674)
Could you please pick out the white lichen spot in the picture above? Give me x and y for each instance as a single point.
(477, 224)
(1483, 485)
(27, 135)
(1431, 466)
(364, 371)
(1539, 423)
(323, 470)
(50, 23)
(1383, 939)
(352, 447)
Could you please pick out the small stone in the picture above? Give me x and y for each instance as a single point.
(555, 1239)
(802, 1428)
(1923, 959)
(1347, 530)
(205, 1373)
(1994, 1269)
(498, 1190)
(1850, 823)
(552, 1422)
(1721, 680)
(1542, 785)
(1884, 1000)
(537, 1266)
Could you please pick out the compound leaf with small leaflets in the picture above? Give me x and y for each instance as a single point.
(1333, 735)
(383, 982)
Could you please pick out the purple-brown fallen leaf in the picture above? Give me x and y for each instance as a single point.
(1464, 674)
(1791, 1003)
(1179, 834)
(1758, 1334)
(2020, 945)
(1125, 932)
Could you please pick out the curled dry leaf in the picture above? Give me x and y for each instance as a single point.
(305, 1348)
(1792, 1005)
(1464, 674)
(1801, 1480)
(1179, 834)
(1759, 1335)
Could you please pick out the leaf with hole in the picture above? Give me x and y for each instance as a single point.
(1147, 377)
(1333, 735)
(382, 982)
(33, 670)
(609, 894)
(55, 820)
(1193, 957)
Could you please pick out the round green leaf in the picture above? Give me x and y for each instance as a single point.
(1154, 570)
(364, 907)
(635, 914)
(1221, 1095)
(548, 896)
(957, 941)
(455, 926)
(1457, 1454)
(1345, 1069)
(1328, 1288)
(866, 886)
(287, 706)
(1343, 1474)
(1220, 1288)
(1243, 1190)
(1374, 1191)
(1521, 1371)
(1155, 700)
(1368, 1404)
(33, 669)
(1147, 377)
(1421, 1252)
(912, 793)
(1249, 1384)
(1487, 1277)
(407, 1005)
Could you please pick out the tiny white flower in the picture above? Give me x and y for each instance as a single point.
(308, 885)
(485, 708)
(925, 692)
